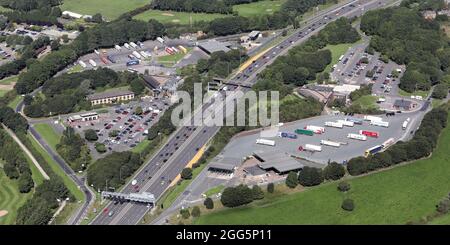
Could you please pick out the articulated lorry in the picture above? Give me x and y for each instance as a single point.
(312, 148)
(265, 142)
(369, 133)
(287, 135)
(380, 123)
(315, 129)
(330, 143)
(357, 137)
(304, 132)
(334, 124)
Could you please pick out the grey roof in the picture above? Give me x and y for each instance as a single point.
(253, 34)
(225, 163)
(109, 94)
(150, 81)
(221, 166)
(281, 162)
(212, 46)
(402, 103)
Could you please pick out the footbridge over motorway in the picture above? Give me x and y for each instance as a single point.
(144, 197)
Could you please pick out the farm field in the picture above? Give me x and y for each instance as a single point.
(110, 9)
(10, 199)
(395, 196)
(258, 8)
(176, 17)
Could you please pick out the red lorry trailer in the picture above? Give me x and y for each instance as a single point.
(369, 133)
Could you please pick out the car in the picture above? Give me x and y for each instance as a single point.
(111, 213)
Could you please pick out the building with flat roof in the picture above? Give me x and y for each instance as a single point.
(224, 165)
(279, 162)
(84, 117)
(403, 104)
(254, 35)
(213, 45)
(110, 97)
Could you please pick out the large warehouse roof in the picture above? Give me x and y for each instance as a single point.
(212, 46)
(280, 162)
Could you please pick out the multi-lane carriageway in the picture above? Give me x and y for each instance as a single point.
(156, 174)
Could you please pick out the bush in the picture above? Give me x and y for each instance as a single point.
(100, 147)
(348, 205)
(90, 135)
(185, 213)
(25, 183)
(440, 91)
(195, 211)
(343, 186)
(270, 188)
(443, 206)
(334, 171)
(257, 192)
(310, 176)
(236, 196)
(209, 204)
(186, 173)
(291, 180)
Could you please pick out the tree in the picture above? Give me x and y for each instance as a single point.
(90, 135)
(137, 86)
(185, 214)
(97, 18)
(443, 206)
(440, 91)
(357, 166)
(113, 133)
(343, 186)
(334, 171)
(348, 205)
(236, 196)
(291, 180)
(209, 204)
(138, 110)
(28, 99)
(257, 192)
(309, 176)
(195, 211)
(270, 188)
(54, 45)
(65, 38)
(186, 173)
(100, 147)
(25, 183)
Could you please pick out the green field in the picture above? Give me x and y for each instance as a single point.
(396, 196)
(336, 52)
(424, 94)
(48, 133)
(258, 8)
(10, 199)
(9, 80)
(367, 102)
(176, 17)
(111, 9)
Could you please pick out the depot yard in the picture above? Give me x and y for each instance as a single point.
(129, 128)
(111, 9)
(244, 146)
(396, 196)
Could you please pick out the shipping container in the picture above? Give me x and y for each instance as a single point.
(132, 62)
(315, 129)
(309, 147)
(287, 135)
(159, 39)
(354, 120)
(357, 136)
(304, 132)
(92, 63)
(132, 44)
(372, 118)
(330, 143)
(82, 64)
(136, 54)
(380, 123)
(369, 133)
(373, 150)
(388, 142)
(265, 142)
(346, 123)
(334, 124)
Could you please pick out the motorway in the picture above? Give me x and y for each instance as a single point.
(130, 213)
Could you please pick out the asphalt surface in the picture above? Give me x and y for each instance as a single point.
(128, 213)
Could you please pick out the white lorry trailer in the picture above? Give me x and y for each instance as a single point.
(357, 137)
(309, 147)
(346, 123)
(82, 64)
(330, 143)
(380, 123)
(136, 54)
(92, 63)
(265, 142)
(334, 124)
(372, 118)
(316, 129)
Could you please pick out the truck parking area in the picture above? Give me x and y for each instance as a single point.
(244, 146)
(121, 128)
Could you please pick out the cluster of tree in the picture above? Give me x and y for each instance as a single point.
(310, 176)
(39, 209)
(424, 4)
(303, 62)
(444, 205)
(102, 35)
(13, 40)
(67, 93)
(403, 35)
(440, 91)
(42, 16)
(295, 109)
(113, 170)
(196, 6)
(73, 149)
(421, 145)
(15, 164)
(12, 120)
(221, 64)
(240, 195)
(27, 55)
(27, 5)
